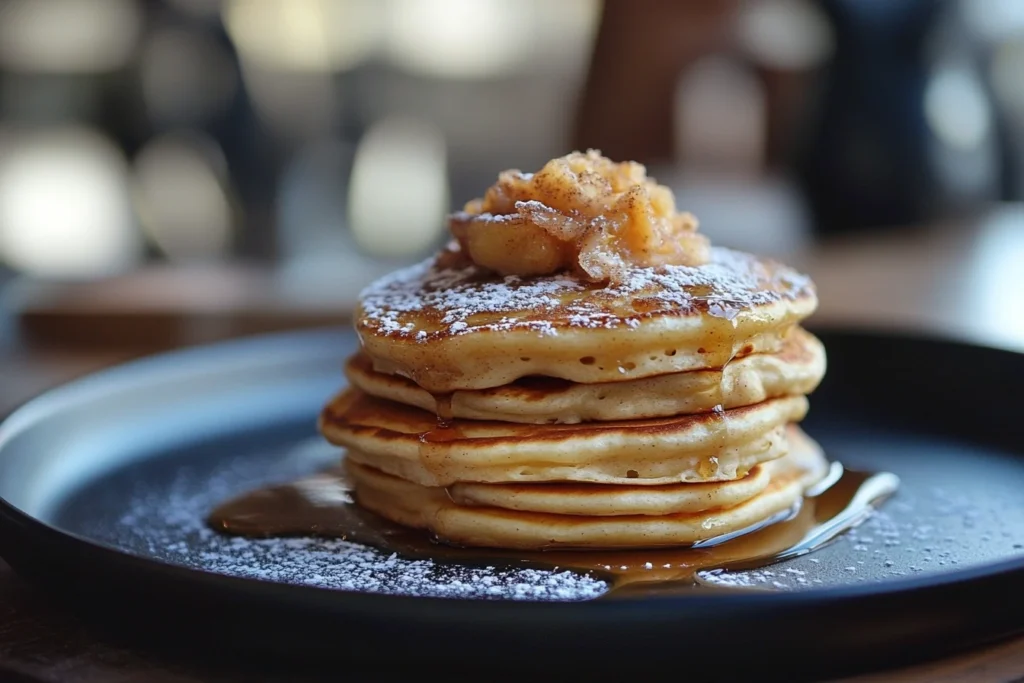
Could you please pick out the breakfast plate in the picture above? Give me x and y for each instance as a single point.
(106, 485)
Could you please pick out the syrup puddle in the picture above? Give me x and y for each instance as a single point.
(322, 505)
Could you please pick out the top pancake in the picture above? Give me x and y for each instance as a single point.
(462, 328)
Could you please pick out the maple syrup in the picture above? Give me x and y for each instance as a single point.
(324, 505)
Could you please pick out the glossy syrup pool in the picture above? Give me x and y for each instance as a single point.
(324, 505)
(956, 506)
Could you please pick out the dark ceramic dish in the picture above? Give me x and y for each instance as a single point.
(104, 484)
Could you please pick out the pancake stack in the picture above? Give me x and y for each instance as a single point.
(653, 409)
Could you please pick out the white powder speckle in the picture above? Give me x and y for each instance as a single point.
(465, 300)
(161, 516)
(174, 530)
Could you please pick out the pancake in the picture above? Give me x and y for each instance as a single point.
(609, 500)
(431, 508)
(614, 500)
(804, 454)
(729, 463)
(796, 369)
(580, 368)
(449, 328)
(408, 442)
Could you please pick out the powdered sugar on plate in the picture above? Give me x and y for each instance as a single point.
(163, 517)
(945, 517)
(942, 519)
(455, 301)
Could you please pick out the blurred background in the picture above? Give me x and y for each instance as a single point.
(178, 171)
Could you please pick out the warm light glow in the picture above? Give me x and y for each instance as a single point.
(398, 196)
(304, 35)
(184, 208)
(289, 50)
(68, 36)
(565, 32)
(956, 108)
(64, 206)
(459, 38)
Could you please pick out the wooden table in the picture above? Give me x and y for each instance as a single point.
(961, 281)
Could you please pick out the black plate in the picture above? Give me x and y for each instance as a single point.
(104, 484)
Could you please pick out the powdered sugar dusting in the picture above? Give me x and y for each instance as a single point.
(454, 301)
(945, 517)
(168, 522)
(923, 530)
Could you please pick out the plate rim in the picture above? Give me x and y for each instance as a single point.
(243, 351)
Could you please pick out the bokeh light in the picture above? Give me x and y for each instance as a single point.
(786, 34)
(994, 19)
(183, 205)
(992, 302)
(68, 36)
(65, 210)
(398, 195)
(304, 35)
(459, 38)
(956, 107)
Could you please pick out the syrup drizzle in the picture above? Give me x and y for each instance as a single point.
(324, 505)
